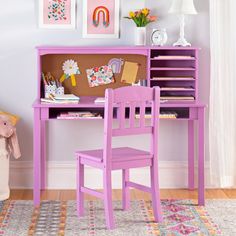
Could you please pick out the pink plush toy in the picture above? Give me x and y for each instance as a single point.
(8, 145)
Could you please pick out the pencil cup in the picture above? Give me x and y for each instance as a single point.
(60, 91)
(49, 89)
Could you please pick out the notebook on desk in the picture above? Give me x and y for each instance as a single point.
(66, 97)
(48, 100)
(99, 100)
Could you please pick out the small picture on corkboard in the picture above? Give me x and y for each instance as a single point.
(130, 72)
(70, 69)
(100, 76)
(116, 64)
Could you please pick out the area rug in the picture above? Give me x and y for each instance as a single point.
(181, 217)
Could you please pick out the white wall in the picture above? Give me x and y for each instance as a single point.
(20, 35)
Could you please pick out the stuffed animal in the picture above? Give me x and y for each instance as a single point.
(8, 145)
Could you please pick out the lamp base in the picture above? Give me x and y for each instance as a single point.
(182, 42)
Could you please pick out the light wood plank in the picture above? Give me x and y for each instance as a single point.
(50, 194)
(230, 193)
(65, 195)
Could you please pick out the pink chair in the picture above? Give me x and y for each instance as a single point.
(124, 103)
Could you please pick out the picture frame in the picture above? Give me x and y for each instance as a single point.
(101, 19)
(57, 14)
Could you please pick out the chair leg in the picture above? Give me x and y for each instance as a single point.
(125, 190)
(108, 199)
(80, 183)
(156, 202)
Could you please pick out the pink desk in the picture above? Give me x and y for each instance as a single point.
(188, 111)
(175, 67)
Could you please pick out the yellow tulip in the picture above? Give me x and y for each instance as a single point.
(145, 11)
(131, 14)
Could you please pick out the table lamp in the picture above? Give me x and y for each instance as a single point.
(182, 8)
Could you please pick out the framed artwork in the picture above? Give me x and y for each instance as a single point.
(57, 14)
(101, 18)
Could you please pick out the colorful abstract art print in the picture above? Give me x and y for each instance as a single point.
(100, 76)
(57, 14)
(101, 18)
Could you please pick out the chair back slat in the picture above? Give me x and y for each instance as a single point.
(142, 114)
(128, 99)
(121, 115)
(132, 109)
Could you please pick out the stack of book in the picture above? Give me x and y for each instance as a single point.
(79, 115)
(99, 100)
(173, 98)
(65, 98)
(177, 88)
(163, 115)
(178, 78)
(173, 57)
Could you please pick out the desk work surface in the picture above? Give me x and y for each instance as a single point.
(89, 101)
(185, 110)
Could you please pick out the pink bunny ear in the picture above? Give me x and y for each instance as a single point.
(13, 141)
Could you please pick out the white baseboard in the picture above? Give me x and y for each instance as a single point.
(61, 175)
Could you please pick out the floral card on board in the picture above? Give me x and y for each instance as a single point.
(100, 75)
(57, 14)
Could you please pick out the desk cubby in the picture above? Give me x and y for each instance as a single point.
(175, 71)
(55, 112)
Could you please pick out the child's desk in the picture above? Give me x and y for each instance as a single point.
(190, 111)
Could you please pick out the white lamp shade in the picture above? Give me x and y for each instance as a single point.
(183, 7)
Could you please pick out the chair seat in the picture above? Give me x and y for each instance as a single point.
(118, 154)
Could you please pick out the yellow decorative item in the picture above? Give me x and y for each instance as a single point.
(70, 68)
(13, 118)
(145, 11)
(130, 72)
(63, 77)
(131, 14)
(142, 17)
(73, 81)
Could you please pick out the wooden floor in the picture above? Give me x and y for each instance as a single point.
(65, 195)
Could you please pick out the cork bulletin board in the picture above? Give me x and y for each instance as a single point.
(53, 63)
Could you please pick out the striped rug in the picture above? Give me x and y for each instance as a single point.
(181, 217)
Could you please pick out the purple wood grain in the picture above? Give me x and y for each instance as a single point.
(37, 156)
(125, 190)
(92, 192)
(191, 155)
(139, 187)
(80, 185)
(43, 156)
(201, 157)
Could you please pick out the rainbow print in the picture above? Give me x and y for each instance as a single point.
(105, 14)
(116, 64)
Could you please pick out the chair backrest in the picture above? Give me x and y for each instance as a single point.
(130, 105)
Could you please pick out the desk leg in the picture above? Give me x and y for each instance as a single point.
(201, 156)
(37, 155)
(43, 154)
(191, 154)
